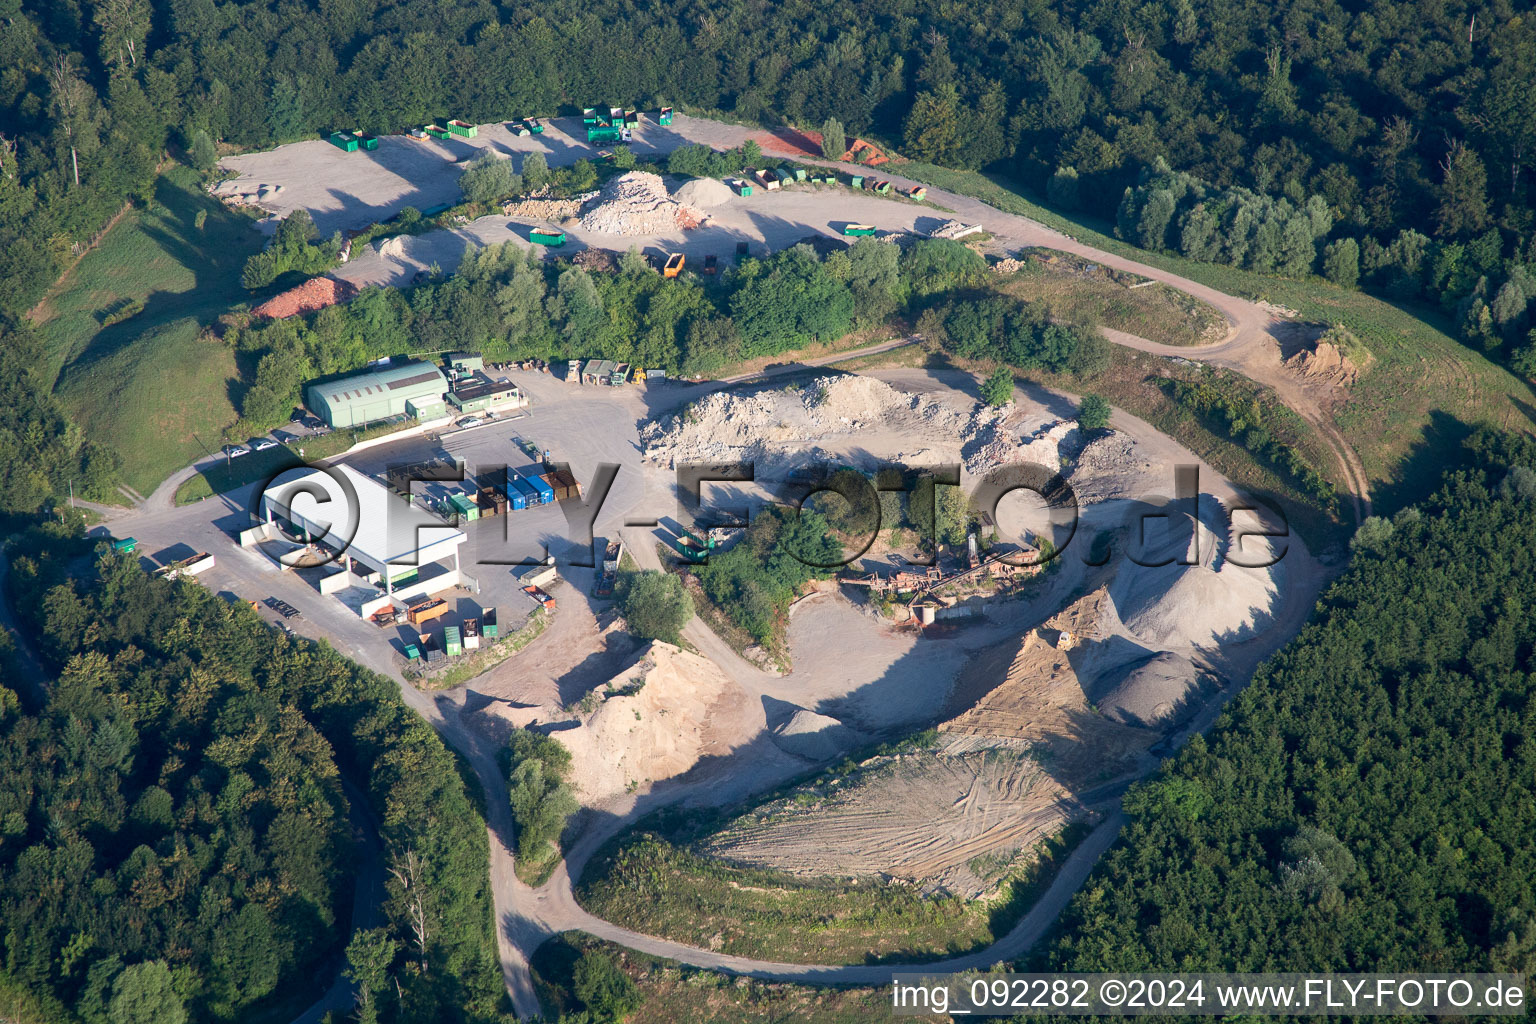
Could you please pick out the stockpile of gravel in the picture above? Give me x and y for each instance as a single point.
(637, 203)
(703, 193)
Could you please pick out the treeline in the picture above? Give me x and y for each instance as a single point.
(755, 582)
(507, 303)
(1369, 801)
(292, 252)
(172, 824)
(1416, 117)
(1241, 418)
(1232, 225)
(1485, 280)
(41, 452)
(978, 324)
(538, 769)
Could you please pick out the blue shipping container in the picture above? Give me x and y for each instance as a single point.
(529, 492)
(546, 492)
(516, 498)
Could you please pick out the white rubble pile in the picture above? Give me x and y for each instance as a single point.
(786, 427)
(638, 203)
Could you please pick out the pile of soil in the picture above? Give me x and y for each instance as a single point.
(598, 261)
(316, 293)
(813, 736)
(1324, 364)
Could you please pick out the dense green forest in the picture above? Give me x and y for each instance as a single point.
(1397, 114)
(172, 822)
(1384, 144)
(1369, 802)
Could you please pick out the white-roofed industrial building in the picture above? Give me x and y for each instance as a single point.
(410, 389)
(381, 539)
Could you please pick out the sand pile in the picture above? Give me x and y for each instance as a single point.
(1324, 364)
(237, 193)
(316, 293)
(657, 719)
(1147, 694)
(703, 193)
(1203, 604)
(846, 416)
(637, 203)
(813, 736)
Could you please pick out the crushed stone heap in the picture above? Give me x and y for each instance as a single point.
(638, 203)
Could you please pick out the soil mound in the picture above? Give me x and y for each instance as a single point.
(316, 293)
(937, 816)
(1325, 364)
(1151, 692)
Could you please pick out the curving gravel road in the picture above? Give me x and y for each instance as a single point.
(526, 916)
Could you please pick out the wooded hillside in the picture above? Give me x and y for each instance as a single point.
(172, 822)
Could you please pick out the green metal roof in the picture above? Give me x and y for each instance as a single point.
(402, 380)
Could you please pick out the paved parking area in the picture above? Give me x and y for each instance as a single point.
(344, 191)
(585, 427)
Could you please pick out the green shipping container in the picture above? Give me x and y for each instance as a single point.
(370, 142)
(553, 239)
(665, 117)
(126, 546)
(463, 128)
(451, 643)
(411, 653)
(746, 189)
(344, 141)
(799, 173)
(598, 133)
(437, 131)
(857, 181)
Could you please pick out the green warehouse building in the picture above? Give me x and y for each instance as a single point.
(403, 389)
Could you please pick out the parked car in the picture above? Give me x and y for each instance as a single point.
(234, 451)
(471, 421)
(261, 444)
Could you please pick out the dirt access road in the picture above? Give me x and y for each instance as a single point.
(526, 916)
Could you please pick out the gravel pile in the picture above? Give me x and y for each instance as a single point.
(703, 193)
(547, 209)
(785, 428)
(637, 203)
